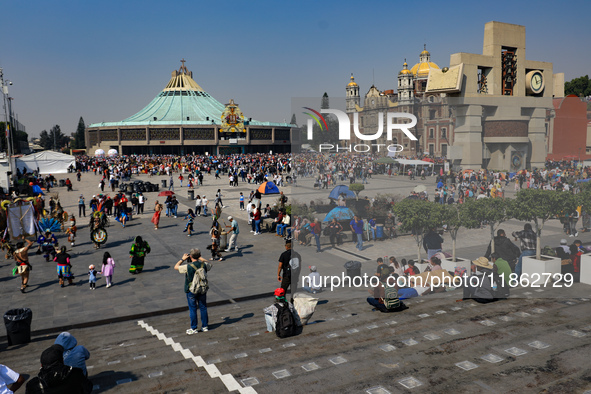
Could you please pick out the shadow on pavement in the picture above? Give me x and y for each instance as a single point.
(231, 320)
(106, 380)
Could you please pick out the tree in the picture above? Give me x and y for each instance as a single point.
(78, 142)
(357, 188)
(417, 216)
(539, 206)
(45, 141)
(54, 140)
(492, 212)
(579, 86)
(454, 217)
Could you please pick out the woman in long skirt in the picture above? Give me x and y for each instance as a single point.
(156, 217)
(138, 252)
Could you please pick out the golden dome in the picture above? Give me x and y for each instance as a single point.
(422, 69)
(405, 69)
(352, 83)
(425, 52)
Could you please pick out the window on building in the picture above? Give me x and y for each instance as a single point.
(431, 131)
(443, 132)
(444, 150)
(432, 113)
(431, 149)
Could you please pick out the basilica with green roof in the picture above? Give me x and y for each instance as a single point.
(184, 119)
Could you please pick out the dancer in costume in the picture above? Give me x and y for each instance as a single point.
(138, 252)
(48, 243)
(64, 267)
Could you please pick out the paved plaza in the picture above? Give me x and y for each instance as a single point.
(135, 330)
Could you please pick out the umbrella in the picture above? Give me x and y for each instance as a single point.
(385, 160)
(165, 193)
(420, 188)
(341, 190)
(268, 188)
(339, 213)
(37, 189)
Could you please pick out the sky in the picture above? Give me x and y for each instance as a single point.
(106, 60)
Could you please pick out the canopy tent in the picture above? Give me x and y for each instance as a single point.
(385, 160)
(341, 190)
(268, 188)
(409, 162)
(339, 213)
(47, 161)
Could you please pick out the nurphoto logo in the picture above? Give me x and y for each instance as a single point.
(345, 129)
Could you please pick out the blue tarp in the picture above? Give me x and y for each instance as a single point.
(340, 213)
(583, 180)
(341, 189)
(37, 189)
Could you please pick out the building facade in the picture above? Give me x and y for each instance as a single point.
(185, 119)
(435, 124)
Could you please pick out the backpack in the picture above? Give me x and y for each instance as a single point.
(391, 300)
(199, 284)
(285, 326)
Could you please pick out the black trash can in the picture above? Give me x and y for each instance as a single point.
(62, 182)
(164, 183)
(191, 194)
(353, 269)
(18, 326)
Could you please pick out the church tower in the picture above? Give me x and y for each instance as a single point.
(352, 98)
(405, 85)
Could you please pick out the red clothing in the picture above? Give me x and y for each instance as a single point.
(257, 215)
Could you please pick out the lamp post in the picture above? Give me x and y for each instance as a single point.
(6, 102)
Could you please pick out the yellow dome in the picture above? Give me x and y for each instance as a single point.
(352, 83)
(425, 52)
(405, 69)
(422, 69)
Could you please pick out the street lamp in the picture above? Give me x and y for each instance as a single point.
(4, 85)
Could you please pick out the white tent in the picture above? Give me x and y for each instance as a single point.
(48, 162)
(407, 162)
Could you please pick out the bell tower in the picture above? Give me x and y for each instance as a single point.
(352, 97)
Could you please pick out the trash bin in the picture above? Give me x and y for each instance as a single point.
(18, 326)
(379, 231)
(164, 183)
(191, 194)
(353, 269)
(223, 240)
(62, 182)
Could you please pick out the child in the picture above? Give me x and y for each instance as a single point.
(190, 218)
(92, 276)
(108, 268)
(241, 201)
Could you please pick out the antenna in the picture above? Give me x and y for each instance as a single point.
(373, 72)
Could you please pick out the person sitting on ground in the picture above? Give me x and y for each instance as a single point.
(10, 381)
(435, 264)
(314, 281)
(74, 355)
(503, 269)
(55, 377)
(382, 270)
(271, 311)
(412, 268)
(483, 290)
(385, 295)
(398, 270)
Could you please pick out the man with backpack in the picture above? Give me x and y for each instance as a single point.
(288, 271)
(281, 317)
(196, 286)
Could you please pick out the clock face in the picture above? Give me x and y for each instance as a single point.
(537, 82)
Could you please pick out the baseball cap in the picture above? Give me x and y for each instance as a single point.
(279, 292)
(312, 268)
(563, 241)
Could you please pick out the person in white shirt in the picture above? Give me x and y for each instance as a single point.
(10, 381)
(204, 202)
(314, 281)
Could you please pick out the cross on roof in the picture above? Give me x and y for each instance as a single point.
(183, 68)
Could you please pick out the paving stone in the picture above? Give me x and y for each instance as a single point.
(522, 314)
(283, 373)
(515, 351)
(440, 312)
(139, 357)
(432, 337)
(451, 331)
(337, 360)
(249, 382)
(352, 331)
(241, 355)
(332, 335)
(423, 315)
(538, 310)
(372, 327)
(506, 318)
(123, 381)
(487, 323)
(291, 344)
(310, 367)
(156, 374)
(377, 390)
(492, 358)
(391, 323)
(466, 365)
(410, 382)
(387, 347)
(410, 342)
(456, 308)
(265, 350)
(576, 334)
(538, 345)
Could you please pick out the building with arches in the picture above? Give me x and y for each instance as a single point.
(184, 119)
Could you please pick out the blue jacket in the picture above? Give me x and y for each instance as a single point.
(74, 356)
